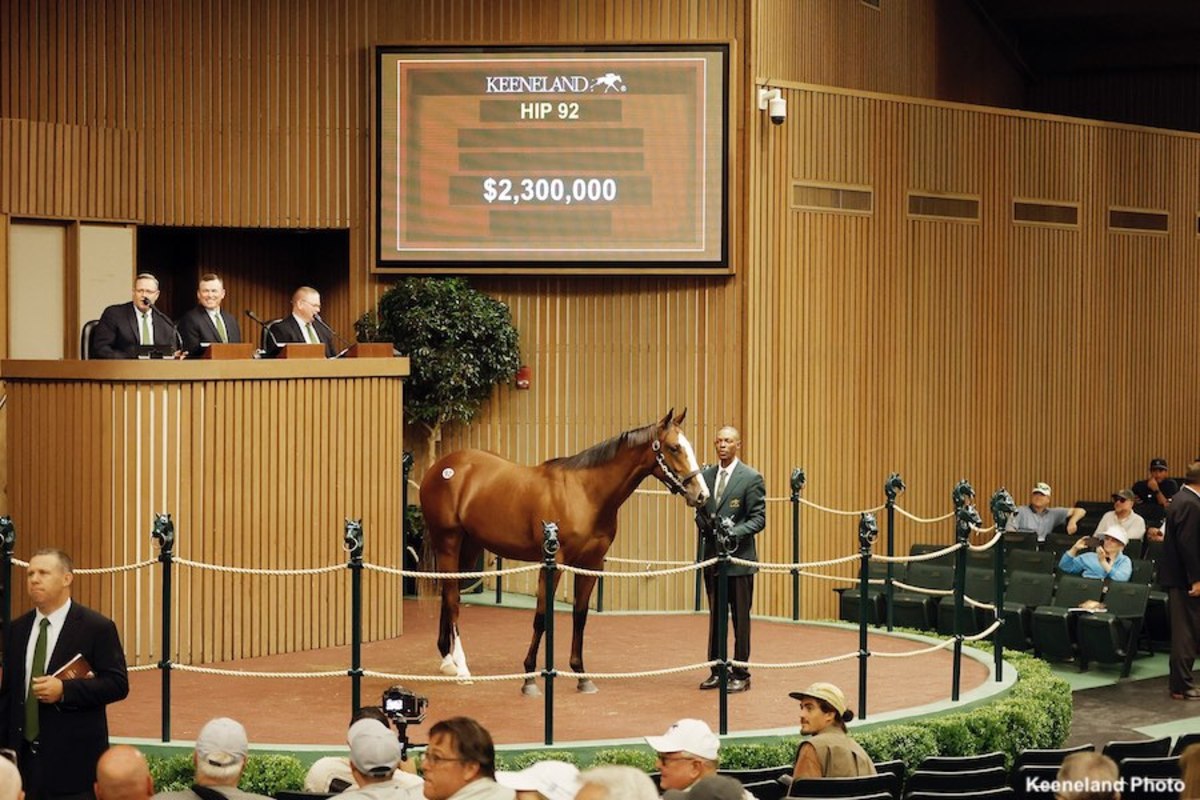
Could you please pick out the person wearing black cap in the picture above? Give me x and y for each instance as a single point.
(1179, 574)
(1122, 516)
(1153, 494)
(829, 752)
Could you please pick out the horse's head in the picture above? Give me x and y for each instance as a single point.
(675, 461)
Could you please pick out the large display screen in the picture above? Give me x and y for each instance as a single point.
(538, 160)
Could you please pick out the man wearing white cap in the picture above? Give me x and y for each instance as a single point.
(829, 752)
(1106, 561)
(220, 758)
(687, 752)
(545, 780)
(1040, 517)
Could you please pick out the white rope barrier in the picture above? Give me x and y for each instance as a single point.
(599, 573)
(921, 652)
(241, 673)
(923, 557)
(990, 543)
(452, 575)
(924, 520)
(186, 562)
(817, 662)
(647, 562)
(840, 512)
(514, 676)
(142, 668)
(100, 570)
(922, 589)
(649, 673)
(973, 603)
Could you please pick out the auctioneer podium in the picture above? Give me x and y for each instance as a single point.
(259, 464)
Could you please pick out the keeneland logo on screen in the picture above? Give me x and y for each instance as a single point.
(553, 84)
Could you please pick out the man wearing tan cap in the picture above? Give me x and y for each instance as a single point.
(220, 758)
(830, 752)
(1040, 517)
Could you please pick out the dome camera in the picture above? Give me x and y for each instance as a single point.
(772, 101)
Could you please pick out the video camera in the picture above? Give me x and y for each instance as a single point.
(404, 707)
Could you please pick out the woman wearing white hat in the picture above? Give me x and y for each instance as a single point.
(830, 752)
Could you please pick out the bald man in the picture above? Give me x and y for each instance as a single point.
(123, 774)
(10, 781)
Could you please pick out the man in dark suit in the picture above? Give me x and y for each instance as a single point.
(58, 727)
(303, 325)
(126, 325)
(739, 496)
(207, 323)
(1179, 574)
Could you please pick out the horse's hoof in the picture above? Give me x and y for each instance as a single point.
(530, 689)
(448, 667)
(586, 687)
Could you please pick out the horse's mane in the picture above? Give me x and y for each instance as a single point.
(606, 451)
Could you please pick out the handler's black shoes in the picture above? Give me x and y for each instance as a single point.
(1190, 694)
(711, 682)
(738, 685)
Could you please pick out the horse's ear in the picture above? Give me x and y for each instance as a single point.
(665, 422)
(682, 415)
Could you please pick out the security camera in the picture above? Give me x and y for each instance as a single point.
(771, 101)
(777, 108)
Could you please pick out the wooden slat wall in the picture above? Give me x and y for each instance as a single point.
(1002, 353)
(250, 478)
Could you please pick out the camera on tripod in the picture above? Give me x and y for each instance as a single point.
(404, 707)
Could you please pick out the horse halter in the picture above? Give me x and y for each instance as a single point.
(675, 482)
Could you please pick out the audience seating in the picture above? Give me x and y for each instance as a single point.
(1141, 748)
(767, 790)
(1051, 757)
(1027, 777)
(1151, 550)
(1143, 571)
(1183, 741)
(958, 781)
(962, 763)
(915, 609)
(885, 783)
(848, 596)
(896, 767)
(1058, 543)
(1026, 591)
(1159, 771)
(980, 586)
(1029, 561)
(1111, 635)
(923, 548)
(1001, 793)
(1054, 625)
(1020, 540)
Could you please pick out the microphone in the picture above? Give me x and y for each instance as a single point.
(266, 326)
(146, 301)
(325, 325)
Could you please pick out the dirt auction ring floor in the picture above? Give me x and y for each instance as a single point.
(315, 711)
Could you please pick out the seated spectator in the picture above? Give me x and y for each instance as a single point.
(1106, 561)
(123, 774)
(1039, 516)
(1153, 494)
(460, 763)
(616, 783)
(10, 781)
(1122, 516)
(374, 755)
(830, 752)
(1088, 776)
(714, 787)
(220, 758)
(688, 752)
(545, 780)
(331, 774)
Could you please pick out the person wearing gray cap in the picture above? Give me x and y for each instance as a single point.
(220, 758)
(374, 755)
(1039, 516)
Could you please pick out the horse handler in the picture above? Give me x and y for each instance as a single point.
(739, 496)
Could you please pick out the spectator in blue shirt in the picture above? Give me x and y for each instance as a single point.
(1106, 561)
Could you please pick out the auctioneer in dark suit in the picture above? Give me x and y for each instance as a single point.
(196, 328)
(744, 503)
(1179, 574)
(118, 335)
(74, 731)
(287, 331)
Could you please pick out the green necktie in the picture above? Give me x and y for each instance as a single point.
(147, 332)
(36, 670)
(310, 333)
(220, 323)
(720, 485)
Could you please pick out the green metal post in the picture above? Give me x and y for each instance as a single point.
(699, 558)
(892, 488)
(965, 516)
(1003, 507)
(163, 534)
(797, 487)
(868, 532)
(550, 565)
(723, 636)
(352, 538)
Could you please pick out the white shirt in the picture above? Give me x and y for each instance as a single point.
(304, 329)
(57, 618)
(728, 474)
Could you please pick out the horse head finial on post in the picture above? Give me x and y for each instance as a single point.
(868, 531)
(893, 487)
(966, 518)
(797, 482)
(352, 539)
(163, 533)
(550, 541)
(962, 494)
(8, 535)
(1002, 506)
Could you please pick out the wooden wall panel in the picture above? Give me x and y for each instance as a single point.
(983, 349)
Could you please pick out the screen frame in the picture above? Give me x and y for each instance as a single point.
(722, 265)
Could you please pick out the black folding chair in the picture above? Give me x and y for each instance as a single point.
(1138, 748)
(957, 782)
(1002, 793)
(1035, 781)
(1150, 778)
(1181, 743)
(962, 763)
(863, 785)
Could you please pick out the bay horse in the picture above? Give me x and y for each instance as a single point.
(473, 499)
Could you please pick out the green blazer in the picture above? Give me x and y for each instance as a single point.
(744, 503)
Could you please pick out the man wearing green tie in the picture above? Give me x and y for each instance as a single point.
(207, 323)
(58, 725)
(125, 327)
(302, 326)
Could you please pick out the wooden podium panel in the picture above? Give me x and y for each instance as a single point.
(371, 350)
(218, 351)
(301, 350)
(259, 463)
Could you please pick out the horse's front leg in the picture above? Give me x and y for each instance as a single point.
(530, 687)
(583, 593)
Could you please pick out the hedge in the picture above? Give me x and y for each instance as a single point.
(264, 774)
